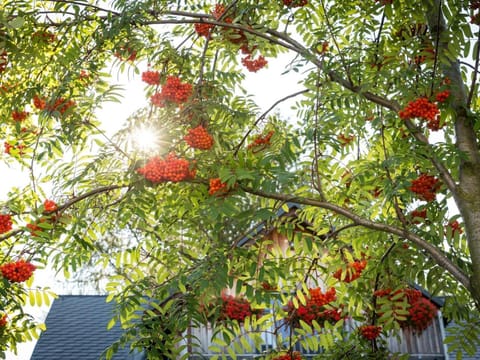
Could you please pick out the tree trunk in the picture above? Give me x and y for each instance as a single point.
(467, 191)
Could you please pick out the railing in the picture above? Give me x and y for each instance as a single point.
(427, 345)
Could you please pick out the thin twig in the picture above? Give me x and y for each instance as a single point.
(265, 114)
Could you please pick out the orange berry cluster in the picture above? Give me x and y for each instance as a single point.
(3, 320)
(345, 140)
(217, 187)
(424, 109)
(5, 223)
(171, 168)
(425, 186)
(43, 36)
(261, 141)
(295, 355)
(421, 311)
(235, 308)
(173, 92)
(8, 148)
(421, 314)
(123, 51)
(295, 3)
(442, 96)
(384, 2)
(314, 309)
(19, 115)
(353, 271)
(253, 65)
(456, 227)
(50, 205)
(418, 214)
(151, 77)
(34, 229)
(61, 105)
(199, 138)
(203, 29)
(17, 271)
(3, 60)
(370, 332)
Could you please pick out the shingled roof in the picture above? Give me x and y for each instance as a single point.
(77, 329)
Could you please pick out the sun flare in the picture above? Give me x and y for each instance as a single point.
(145, 139)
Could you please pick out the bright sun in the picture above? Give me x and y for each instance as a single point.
(145, 139)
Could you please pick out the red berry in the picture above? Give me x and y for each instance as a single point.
(3, 321)
(151, 77)
(171, 168)
(425, 186)
(254, 65)
(19, 115)
(295, 3)
(199, 138)
(49, 205)
(173, 92)
(17, 271)
(5, 223)
(370, 332)
(261, 142)
(423, 109)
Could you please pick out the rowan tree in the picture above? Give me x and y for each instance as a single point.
(379, 155)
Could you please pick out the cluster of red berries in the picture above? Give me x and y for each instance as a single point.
(475, 5)
(418, 214)
(3, 321)
(61, 104)
(199, 138)
(295, 3)
(268, 287)
(345, 140)
(370, 332)
(314, 309)
(442, 96)
(426, 53)
(353, 271)
(5, 223)
(253, 65)
(424, 109)
(44, 36)
(8, 148)
(235, 308)
(173, 92)
(19, 115)
(17, 271)
(295, 355)
(49, 205)
(3, 60)
(126, 53)
(151, 77)
(171, 168)
(217, 187)
(261, 141)
(203, 29)
(385, 2)
(34, 229)
(421, 311)
(455, 227)
(425, 186)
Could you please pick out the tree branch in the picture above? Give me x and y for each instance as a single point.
(432, 251)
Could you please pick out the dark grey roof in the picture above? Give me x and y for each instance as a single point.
(77, 330)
